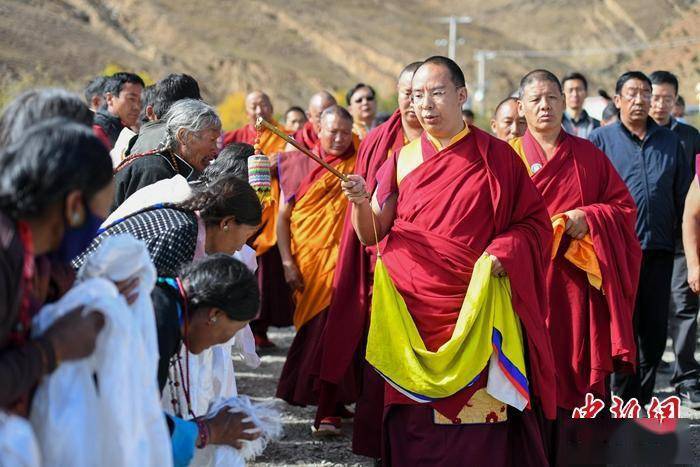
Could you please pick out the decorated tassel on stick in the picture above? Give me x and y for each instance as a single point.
(259, 175)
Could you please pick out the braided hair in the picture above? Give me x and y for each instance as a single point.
(192, 115)
(223, 196)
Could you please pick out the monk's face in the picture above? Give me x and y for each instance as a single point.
(663, 99)
(634, 101)
(335, 135)
(257, 104)
(403, 88)
(508, 123)
(363, 106)
(437, 101)
(542, 104)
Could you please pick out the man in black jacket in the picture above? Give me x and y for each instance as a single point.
(123, 105)
(684, 303)
(650, 160)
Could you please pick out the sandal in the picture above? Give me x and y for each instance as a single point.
(329, 427)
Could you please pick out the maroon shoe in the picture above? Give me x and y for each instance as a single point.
(329, 427)
(262, 342)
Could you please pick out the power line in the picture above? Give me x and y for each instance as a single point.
(592, 51)
(481, 56)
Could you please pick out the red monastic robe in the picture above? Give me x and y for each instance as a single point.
(306, 135)
(342, 351)
(591, 330)
(349, 308)
(470, 197)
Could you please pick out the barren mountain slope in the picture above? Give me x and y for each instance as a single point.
(294, 48)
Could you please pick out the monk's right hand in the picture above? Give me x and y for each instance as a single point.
(355, 189)
(73, 335)
(292, 276)
(694, 279)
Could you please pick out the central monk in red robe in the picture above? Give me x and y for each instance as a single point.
(451, 199)
(309, 229)
(276, 305)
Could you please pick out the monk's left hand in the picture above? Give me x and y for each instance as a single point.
(497, 268)
(576, 224)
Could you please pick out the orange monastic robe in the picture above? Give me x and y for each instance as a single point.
(316, 227)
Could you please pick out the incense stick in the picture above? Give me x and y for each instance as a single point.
(262, 122)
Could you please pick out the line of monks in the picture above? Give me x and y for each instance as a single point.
(465, 292)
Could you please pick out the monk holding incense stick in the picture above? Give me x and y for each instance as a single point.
(459, 293)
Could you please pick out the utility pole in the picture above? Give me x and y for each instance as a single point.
(452, 40)
(480, 57)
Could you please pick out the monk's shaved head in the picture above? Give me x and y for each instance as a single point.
(456, 74)
(258, 104)
(538, 76)
(507, 100)
(409, 69)
(321, 101)
(317, 104)
(337, 111)
(255, 95)
(403, 89)
(541, 102)
(507, 123)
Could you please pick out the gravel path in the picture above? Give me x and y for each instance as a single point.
(297, 447)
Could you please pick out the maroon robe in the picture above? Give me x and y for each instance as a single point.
(590, 329)
(470, 197)
(292, 168)
(306, 135)
(245, 134)
(343, 347)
